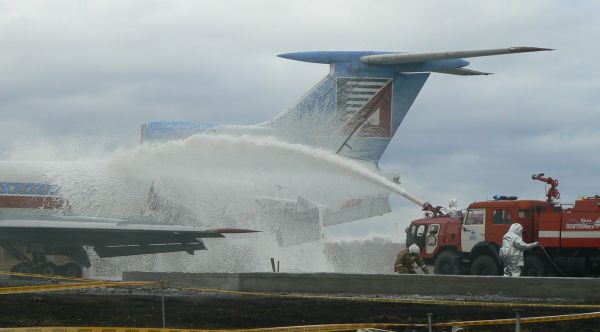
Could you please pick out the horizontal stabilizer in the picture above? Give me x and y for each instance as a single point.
(399, 58)
(357, 209)
(463, 72)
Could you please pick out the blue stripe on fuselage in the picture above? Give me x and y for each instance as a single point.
(33, 189)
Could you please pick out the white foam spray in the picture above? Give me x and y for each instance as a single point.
(265, 150)
(212, 180)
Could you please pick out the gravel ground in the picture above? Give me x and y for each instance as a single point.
(141, 307)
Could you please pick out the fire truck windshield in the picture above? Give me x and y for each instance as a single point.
(475, 217)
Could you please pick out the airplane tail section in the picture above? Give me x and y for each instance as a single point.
(352, 112)
(356, 109)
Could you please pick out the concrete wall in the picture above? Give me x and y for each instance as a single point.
(372, 284)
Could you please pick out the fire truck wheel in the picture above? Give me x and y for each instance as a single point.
(47, 268)
(22, 268)
(484, 265)
(445, 263)
(71, 270)
(534, 266)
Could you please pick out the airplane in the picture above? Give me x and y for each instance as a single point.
(354, 111)
(37, 234)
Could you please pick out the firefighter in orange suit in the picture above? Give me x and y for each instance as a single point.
(407, 258)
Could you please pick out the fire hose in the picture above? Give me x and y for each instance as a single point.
(551, 261)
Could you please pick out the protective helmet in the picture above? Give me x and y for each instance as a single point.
(414, 249)
(516, 228)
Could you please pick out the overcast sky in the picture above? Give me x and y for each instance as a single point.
(88, 73)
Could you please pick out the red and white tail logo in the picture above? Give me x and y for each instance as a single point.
(364, 105)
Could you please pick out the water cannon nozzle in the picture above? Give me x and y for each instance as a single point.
(435, 210)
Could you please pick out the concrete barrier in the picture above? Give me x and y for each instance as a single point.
(373, 284)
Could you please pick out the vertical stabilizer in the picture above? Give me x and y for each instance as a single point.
(355, 110)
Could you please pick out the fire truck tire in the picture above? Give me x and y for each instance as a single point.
(47, 268)
(534, 267)
(484, 265)
(445, 263)
(70, 270)
(22, 268)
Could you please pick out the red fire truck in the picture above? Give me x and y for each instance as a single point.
(468, 242)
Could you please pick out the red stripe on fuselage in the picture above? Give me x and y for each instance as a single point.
(31, 202)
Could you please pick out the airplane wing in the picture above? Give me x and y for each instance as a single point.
(399, 58)
(109, 237)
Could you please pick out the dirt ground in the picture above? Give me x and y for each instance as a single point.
(141, 307)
